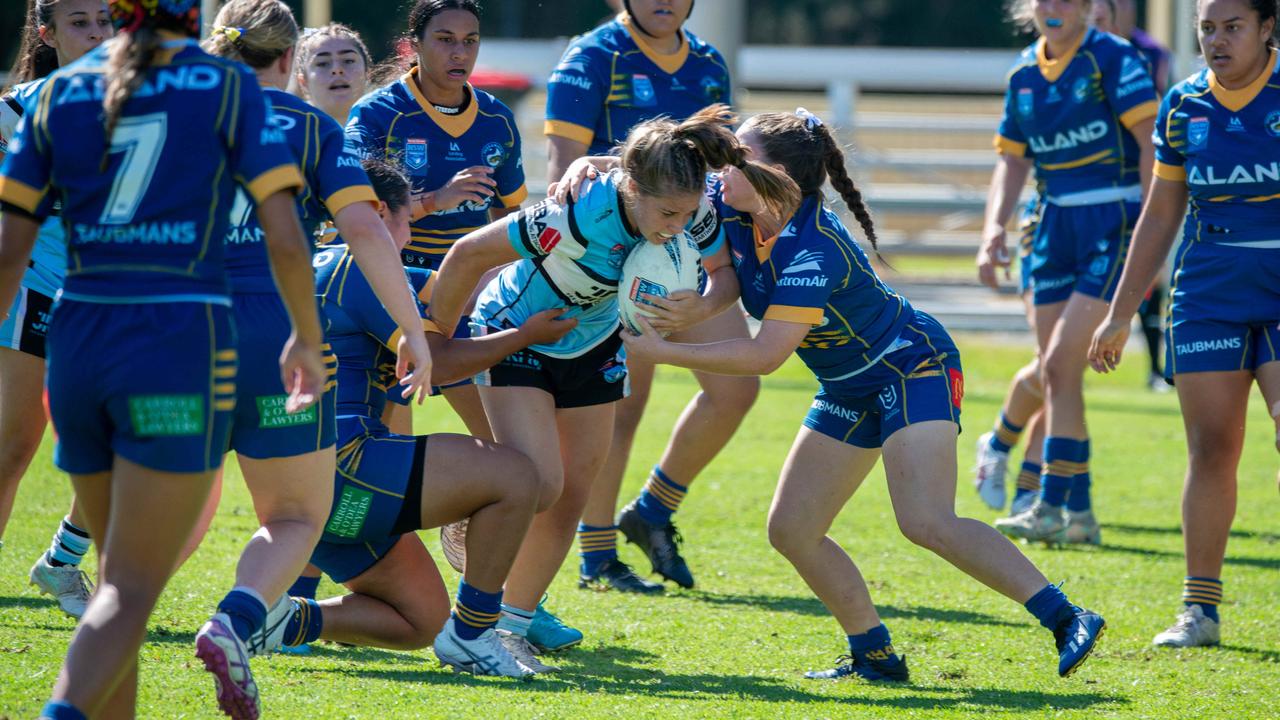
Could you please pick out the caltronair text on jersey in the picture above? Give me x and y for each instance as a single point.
(1070, 139)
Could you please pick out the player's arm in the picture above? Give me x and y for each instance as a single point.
(459, 358)
(464, 265)
(561, 152)
(1152, 240)
(17, 236)
(683, 309)
(1007, 181)
(1141, 131)
(760, 355)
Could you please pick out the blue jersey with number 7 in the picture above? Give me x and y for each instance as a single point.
(146, 212)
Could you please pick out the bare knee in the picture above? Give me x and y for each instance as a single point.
(18, 447)
(521, 485)
(550, 486)
(1061, 370)
(423, 629)
(790, 535)
(734, 399)
(929, 532)
(1030, 378)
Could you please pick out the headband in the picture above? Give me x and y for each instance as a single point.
(811, 121)
(130, 15)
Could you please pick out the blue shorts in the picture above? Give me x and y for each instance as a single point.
(596, 377)
(152, 383)
(1080, 250)
(262, 429)
(377, 497)
(27, 326)
(1028, 223)
(929, 386)
(1225, 308)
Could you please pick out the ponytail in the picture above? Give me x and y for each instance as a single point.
(666, 158)
(255, 32)
(127, 64)
(833, 161)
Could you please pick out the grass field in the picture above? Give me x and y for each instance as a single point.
(736, 646)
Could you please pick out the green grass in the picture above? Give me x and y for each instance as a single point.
(736, 646)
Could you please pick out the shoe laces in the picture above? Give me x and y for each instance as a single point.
(670, 549)
(84, 586)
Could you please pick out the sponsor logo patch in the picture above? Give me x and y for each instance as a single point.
(415, 153)
(352, 508)
(1198, 131)
(166, 415)
(272, 413)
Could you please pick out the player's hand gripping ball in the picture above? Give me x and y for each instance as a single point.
(657, 270)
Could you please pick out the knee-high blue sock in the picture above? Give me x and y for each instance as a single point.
(1064, 458)
(597, 546)
(660, 498)
(247, 610)
(1205, 592)
(1028, 479)
(475, 611)
(304, 587)
(1005, 435)
(1050, 606)
(1078, 499)
(305, 624)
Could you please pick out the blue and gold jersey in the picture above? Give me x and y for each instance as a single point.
(146, 213)
(398, 123)
(1071, 115)
(334, 180)
(814, 273)
(611, 80)
(1225, 145)
(49, 256)
(573, 259)
(360, 332)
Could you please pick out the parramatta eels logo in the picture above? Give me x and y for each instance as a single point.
(1026, 101)
(1080, 91)
(493, 154)
(1273, 123)
(712, 89)
(415, 153)
(1198, 131)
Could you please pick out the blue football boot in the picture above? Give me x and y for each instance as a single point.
(1076, 636)
(549, 634)
(894, 670)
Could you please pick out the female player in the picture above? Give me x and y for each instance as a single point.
(57, 32)
(633, 69)
(890, 381)
(397, 598)
(135, 169)
(333, 68)
(555, 401)
(287, 460)
(1222, 334)
(1080, 104)
(460, 147)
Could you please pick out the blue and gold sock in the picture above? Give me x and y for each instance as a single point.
(1050, 606)
(475, 611)
(873, 644)
(1005, 435)
(61, 710)
(597, 546)
(660, 498)
(304, 587)
(516, 620)
(1078, 499)
(305, 624)
(1028, 480)
(247, 610)
(69, 545)
(1064, 458)
(1205, 592)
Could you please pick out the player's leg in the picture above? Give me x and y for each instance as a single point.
(1214, 406)
(1022, 401)
(465, 401)
(22, 421)
(136, 560)
(1027, 485)
(597, 533)
(707, 424)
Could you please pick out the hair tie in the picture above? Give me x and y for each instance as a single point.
(231, 33)
(811, 121)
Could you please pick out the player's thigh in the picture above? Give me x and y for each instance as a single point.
(1074, 329)
(406, 578)
(462, 474)
(920, 468)
(1268, 375)
(299, 487)
(1214, 406)
(22, 418)
(818, 477)
(586, 433)
(524, 418)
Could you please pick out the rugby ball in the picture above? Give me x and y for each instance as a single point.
(652, 269)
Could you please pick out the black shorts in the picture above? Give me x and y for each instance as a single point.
(28, 323)
(596, 377)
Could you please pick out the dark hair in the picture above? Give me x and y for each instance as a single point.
(255, 32)
(425, 10)
(127, 64)
(389, 183)
(1267, 10)
(811, 156)
(35, 58)
(663, 157)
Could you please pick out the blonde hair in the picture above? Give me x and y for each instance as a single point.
(663, 157)
(255, 32)
(1022, 14)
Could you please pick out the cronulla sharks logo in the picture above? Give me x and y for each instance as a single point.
(1198, 131)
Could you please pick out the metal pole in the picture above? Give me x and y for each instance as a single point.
(1186, 49)
(317, 13)
(208, 11)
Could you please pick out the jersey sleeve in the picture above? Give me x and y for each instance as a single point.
(1170, 162)
(10, 114)
(260, 158)
(805, 284)
(365, 133)
(543, 229)
(576, 94)
(27, 168)
(1128, 85)
(705, 228)
(509, 175)
(1009, 138)
(338, 178)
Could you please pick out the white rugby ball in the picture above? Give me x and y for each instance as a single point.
(660, 270)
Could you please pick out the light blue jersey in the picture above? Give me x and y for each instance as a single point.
(573, 258)
(48, 267)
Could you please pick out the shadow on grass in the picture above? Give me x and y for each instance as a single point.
(813, 606)
(1255, 562)
(1177, 530)
(1271, 656)
(27, 601)
(611, 670)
